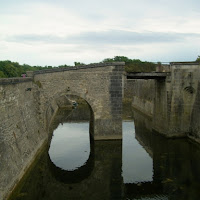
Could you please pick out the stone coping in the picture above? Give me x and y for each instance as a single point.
(96, 65)
(7, 81)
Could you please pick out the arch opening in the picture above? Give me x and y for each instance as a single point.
(71, 130)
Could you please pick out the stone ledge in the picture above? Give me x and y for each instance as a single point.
(7, 81)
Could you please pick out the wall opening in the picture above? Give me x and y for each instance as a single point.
(72, 130)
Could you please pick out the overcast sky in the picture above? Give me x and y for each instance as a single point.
(49, 32)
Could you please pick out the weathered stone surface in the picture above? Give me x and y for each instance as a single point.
(175, 100)
(21, 134)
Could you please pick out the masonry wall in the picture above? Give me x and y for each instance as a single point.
(176, 102)
(195, 116)
(21, 135)
(141, 93)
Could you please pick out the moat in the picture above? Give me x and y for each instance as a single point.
(144, 165)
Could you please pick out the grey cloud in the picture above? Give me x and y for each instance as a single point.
(112, 37)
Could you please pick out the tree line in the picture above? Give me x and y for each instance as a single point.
(14, 69)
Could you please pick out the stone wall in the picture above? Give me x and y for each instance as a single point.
(21, 135)
(195, 113)
(176, 101)
(141, 93)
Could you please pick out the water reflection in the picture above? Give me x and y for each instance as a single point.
(70, 149)
(153, 168)
(70, 145)
(137, 164)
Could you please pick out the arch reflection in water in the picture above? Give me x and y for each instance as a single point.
(70, 145)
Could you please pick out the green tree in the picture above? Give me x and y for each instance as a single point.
(117, 59)
(108, 60)
(2, 75)
(10, 70)
(78, 63)
(198, 59)
(133, 65)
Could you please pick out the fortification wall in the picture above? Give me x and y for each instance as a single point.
(195, 116)
(176, 101)
(21, 134)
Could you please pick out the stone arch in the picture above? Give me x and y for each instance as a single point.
(91, 107)
(100, 85)
(53, 107)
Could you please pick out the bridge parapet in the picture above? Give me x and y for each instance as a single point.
(80, 67)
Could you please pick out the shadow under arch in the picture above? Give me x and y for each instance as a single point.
(91, 119)
(52, 107)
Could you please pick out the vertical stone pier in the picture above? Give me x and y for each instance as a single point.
(109, 126)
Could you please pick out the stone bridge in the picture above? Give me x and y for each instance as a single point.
(100, 85)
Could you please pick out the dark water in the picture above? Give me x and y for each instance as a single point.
(144, 166)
